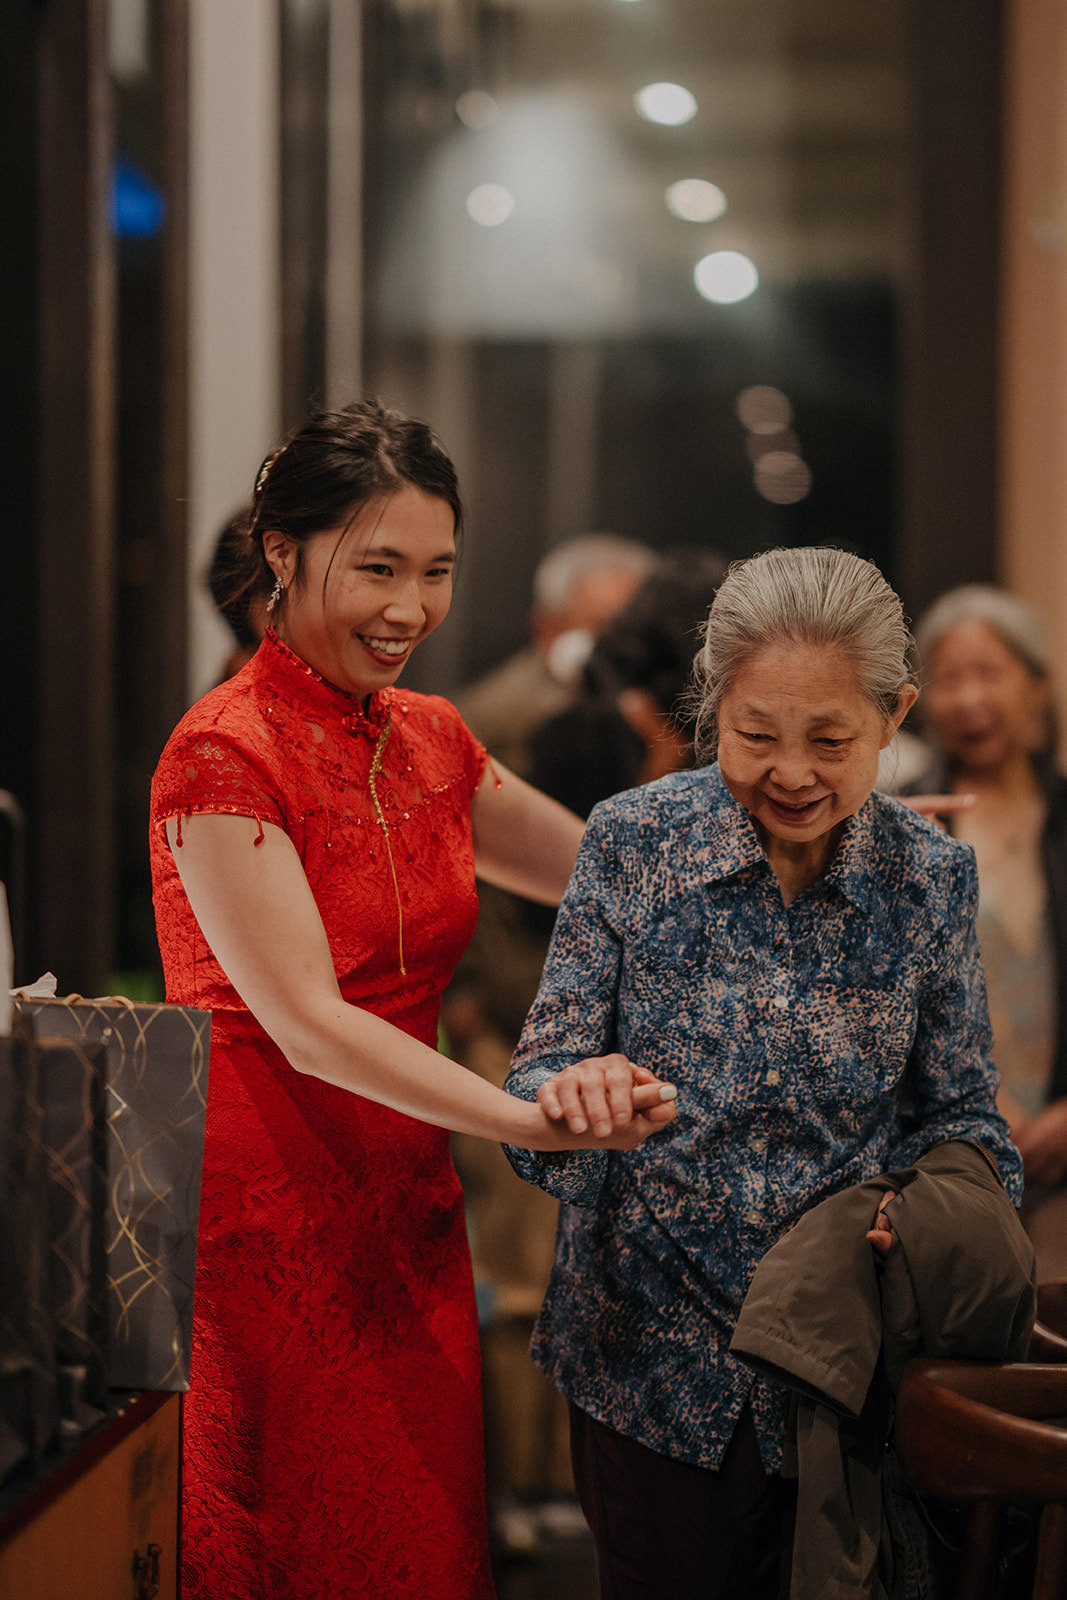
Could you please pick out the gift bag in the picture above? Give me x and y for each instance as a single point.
(72, 1078)
(28, 1396)
(156, 1095)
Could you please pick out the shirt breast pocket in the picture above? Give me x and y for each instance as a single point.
(867, 1035)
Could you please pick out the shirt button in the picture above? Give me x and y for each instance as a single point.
(774, 1076)
(780, 1003)
(754, 1217)
(758, 1144)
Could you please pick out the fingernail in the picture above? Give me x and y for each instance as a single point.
(601, 1129)
(621, 1116)
(668, 1092)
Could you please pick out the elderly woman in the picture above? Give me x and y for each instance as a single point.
(798, 955)
(988, 711)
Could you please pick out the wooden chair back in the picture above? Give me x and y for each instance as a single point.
(981, 1432)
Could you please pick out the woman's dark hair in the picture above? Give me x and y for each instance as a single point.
(330, 468)
(227, 578)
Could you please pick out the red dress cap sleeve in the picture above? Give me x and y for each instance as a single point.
(208, 770)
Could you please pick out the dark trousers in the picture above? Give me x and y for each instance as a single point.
(668, 1530)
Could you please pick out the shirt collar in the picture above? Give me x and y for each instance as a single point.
(284, 672)
(731, 845)
(851, 870)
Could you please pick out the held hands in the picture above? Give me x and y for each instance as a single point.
(606, 1103)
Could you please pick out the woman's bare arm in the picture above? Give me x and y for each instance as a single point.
(256, 910)
(523, 841)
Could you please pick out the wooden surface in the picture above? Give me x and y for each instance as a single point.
(116, 1497)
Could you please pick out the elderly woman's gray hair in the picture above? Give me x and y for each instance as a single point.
(1017, 623)
(813, 595)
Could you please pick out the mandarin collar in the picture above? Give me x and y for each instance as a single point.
(282, 670)
(733, 844)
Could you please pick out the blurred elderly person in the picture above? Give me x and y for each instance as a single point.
(632, 719)
(799, 953)
(988, 710)
(577, 588)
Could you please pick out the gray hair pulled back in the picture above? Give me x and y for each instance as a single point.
(815, 596)
(1017, 623)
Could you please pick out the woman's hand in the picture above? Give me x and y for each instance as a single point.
(1042, 1143)
(604, 1093)
(880, 1233)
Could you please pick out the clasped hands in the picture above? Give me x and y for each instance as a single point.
(619, 1103)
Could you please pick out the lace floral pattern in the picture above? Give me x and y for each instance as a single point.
(333, 1430)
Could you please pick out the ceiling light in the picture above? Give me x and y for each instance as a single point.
(695, 200)
(667, 103)
(477, 109)
(490, 204)
(764, 409)
(725, 276)
(782, 477)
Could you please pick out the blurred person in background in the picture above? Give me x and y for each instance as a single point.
(988, 711)
(631, 721)
(577, 588)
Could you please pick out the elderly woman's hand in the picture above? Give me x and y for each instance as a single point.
(880, 1233)
(606, 1094)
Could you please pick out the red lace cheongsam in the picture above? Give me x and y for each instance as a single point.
(333, 1441)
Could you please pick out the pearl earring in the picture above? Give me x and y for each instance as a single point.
(275, 594)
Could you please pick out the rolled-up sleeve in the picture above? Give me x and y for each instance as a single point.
(951, 1083)
(573, 1016)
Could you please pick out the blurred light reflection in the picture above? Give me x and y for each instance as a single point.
(725, 277)
(782, 477)
(669, 104)
(490, 204)
(764, 409)
(477, 109)
(695, 200)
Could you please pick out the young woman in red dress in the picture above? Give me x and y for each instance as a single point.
(315, 837)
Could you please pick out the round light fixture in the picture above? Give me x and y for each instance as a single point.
(725, 277)
(695, 200)
(667, 103)
(477, 109)
(490, 204)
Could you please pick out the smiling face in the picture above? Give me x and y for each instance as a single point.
(799, 744)
(366, 596)
(985, 704)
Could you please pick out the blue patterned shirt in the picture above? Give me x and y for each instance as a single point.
(812, 1046)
